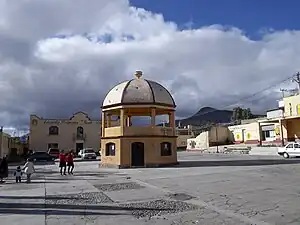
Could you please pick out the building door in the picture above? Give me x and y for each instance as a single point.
(137, 154)
(79, 146)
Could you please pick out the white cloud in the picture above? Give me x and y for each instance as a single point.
(52, 76)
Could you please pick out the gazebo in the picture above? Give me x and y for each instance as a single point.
(125, 145)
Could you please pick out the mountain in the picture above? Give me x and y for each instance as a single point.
(207, 115)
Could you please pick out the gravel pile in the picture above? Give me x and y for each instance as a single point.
(88, 198)
(158, 207)
(118, 186)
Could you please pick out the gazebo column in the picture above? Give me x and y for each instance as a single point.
(122, 120)
(109, 120)
(128, 121)
(172, 121)
(103, 124)
(153, 115)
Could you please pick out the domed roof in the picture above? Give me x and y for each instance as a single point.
(138, 91)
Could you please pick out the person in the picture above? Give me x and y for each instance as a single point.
(29, 169)
(70, 162)
(62, 163)
(18, 174)
(3, 169)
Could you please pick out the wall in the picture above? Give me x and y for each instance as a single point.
(277, 113)
(182, 140)
(151, 151)
(39, 132)
(292, 105)
(201, 142)
(246, 133)
(5, 144)
(220, 135)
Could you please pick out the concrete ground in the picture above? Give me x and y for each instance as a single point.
(204, 189)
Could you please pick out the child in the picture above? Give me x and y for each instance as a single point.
(29, 169)
(18, 174)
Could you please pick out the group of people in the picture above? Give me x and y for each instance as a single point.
(28, 169)
(66, 160)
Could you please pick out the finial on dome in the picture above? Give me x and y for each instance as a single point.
(138, 74)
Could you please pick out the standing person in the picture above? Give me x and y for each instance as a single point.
(3, 169)
(70, 162)
(62, 163)
(18, 174)
(29, 169)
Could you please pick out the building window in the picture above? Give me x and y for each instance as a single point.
(79, 131)
(53, 130)
(110, 149)
(268, 134)
(165, 149)
(291, 110)
(52, 145)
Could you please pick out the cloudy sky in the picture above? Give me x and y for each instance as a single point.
(62, 56)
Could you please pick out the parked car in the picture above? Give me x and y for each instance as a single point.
(41, 156)
(87, 153)
(54, 152)
(290, 150)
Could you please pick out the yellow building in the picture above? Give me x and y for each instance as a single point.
(287, 115)
(257, 132)
(76, 132)
(5, 142)
(125, 145)
(246, 133)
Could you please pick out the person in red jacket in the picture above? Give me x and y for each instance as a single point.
(70, 162)
(62, 163)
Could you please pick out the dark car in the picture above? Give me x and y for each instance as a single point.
(41, 156)
(54, 152)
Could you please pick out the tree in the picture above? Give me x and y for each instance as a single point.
(239, 114)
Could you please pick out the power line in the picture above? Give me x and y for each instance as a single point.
(252, 95)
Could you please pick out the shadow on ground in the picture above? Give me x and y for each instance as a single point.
(66, 209)
(252, 162)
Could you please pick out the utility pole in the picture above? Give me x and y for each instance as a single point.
(217, 139)
(296, 78)
(283, 91)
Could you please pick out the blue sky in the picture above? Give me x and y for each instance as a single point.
(252, 16)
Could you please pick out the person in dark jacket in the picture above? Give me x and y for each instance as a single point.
(3, 169)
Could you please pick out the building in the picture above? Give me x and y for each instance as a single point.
(256, 132)
(76, 132)
(217, 135)
(5, 142)
(287, 116)
(183, 134)
(125, 145)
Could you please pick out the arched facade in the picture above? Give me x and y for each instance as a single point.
(136, 146)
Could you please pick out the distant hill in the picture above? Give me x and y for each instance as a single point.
(207, 115)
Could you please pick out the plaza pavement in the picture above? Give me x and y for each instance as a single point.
(203, 189)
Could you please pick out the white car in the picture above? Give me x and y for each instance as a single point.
(87, 153)
(290, 150)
